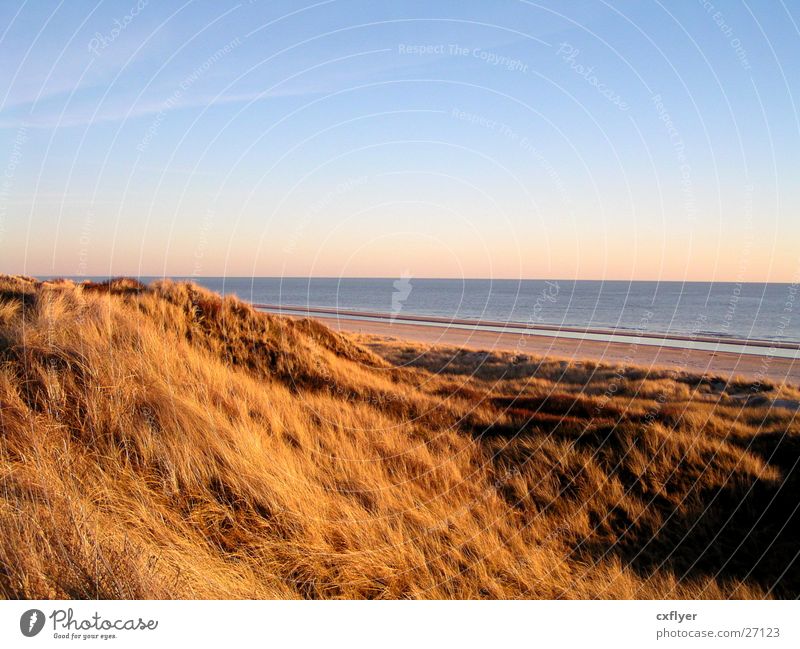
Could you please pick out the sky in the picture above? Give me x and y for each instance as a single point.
(503, 139)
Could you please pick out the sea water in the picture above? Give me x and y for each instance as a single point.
(721, 309)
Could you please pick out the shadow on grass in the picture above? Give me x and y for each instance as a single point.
(747, 530)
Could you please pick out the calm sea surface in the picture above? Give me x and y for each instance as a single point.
(761, 311)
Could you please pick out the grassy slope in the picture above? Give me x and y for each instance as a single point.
(164, 443)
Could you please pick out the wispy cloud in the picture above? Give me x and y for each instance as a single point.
(84, 112)
(87, 116)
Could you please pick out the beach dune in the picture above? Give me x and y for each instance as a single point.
(163, 442)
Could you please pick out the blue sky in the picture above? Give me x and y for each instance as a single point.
(612, 140)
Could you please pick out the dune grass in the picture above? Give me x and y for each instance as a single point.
(162, 442)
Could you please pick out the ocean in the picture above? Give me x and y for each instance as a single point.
(744, 311)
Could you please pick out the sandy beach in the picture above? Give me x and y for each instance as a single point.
(723, 364)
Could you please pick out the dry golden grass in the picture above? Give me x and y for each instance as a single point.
(162, 442)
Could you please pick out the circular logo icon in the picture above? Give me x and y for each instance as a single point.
(31, 622)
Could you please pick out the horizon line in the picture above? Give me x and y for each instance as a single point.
(50, 276)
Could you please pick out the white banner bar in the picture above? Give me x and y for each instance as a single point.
(224, 624)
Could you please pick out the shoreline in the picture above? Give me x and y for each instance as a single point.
(511, 326)
(635, 352)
